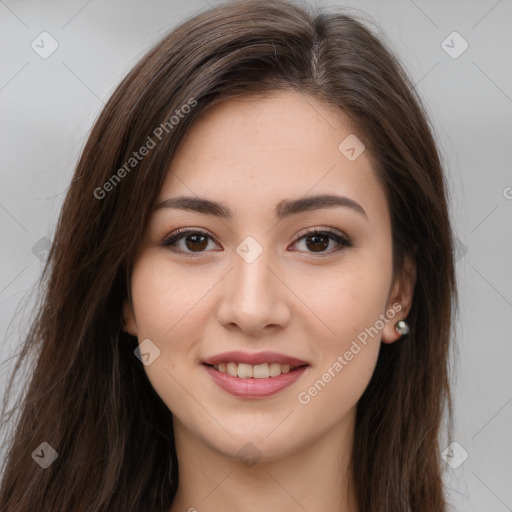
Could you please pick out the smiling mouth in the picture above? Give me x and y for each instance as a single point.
(257, 371)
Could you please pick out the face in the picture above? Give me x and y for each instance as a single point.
(302, 289)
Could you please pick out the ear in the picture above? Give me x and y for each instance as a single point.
(400, 298)
(129, 324)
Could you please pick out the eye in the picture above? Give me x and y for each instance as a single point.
(195, 241)
(318, 241)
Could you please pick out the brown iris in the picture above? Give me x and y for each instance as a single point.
(320, 242)
(199, 242)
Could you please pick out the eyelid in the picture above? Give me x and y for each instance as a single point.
(322, 229)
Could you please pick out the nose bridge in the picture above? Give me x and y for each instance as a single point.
(253, 297)
(252, 277)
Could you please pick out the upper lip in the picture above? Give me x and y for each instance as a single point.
(257, 358)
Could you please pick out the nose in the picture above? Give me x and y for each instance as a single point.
(254, 298)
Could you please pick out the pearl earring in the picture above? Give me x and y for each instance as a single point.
(401, 327)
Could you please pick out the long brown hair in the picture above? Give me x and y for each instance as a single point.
(89, 397)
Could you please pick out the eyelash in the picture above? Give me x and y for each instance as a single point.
(179, 234)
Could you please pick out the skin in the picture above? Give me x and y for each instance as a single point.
(250, 153)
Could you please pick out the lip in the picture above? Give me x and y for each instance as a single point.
(238, 356)
(251, 387)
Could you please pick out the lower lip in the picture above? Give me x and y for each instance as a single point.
(251, 387)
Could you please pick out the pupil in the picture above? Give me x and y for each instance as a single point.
(317, 244)
(199, 246)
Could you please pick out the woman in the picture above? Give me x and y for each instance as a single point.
(248, 300)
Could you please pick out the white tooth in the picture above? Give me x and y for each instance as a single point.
(232, 369)
(222, 367)
(245, 370)
(285, 368)
(215, 367)
(261, 371)
(275, 369)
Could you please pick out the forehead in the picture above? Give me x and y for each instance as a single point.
(257, 151)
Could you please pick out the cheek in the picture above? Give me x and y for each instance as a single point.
(352, 307)
(360, 302)
(347, 299)
(348, 358)
(163, 297)
(167, 305)
(355, 320)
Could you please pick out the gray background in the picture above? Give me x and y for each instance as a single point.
(48, 106)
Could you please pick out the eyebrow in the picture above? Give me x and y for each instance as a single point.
(284, 208)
